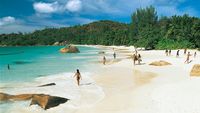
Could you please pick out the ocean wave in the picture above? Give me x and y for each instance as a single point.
(87, 94)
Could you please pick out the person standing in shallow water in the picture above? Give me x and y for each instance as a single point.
(78, 76)
(114, 55)
(8, 66)
(104, 60)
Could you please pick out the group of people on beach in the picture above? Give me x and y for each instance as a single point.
(114, 57)
(137, 57)
(168, 53)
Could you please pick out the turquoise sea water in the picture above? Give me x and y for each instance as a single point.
(27, 63)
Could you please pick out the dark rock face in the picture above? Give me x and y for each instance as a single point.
(44, 101)
(73, 49)
(50, 84)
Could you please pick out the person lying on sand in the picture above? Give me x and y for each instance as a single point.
(78, 76)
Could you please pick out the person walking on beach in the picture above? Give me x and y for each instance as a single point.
(185, 50)
(136, 52)
(104, 60)
(195, 54)
(166, 52)
(8, 66)
(139, 59)
(170, 52)
(78, 76)
(114, 55)
(188, 58)
(177, 53)
(134, 58)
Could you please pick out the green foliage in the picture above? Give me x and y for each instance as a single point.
(171, 44)
(101, 32)
(145, 30)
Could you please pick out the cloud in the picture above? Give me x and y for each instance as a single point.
(7, 20)
(107, 8)
(10, 24)
(63, 13)
(57, 7)
(73, 5)
(42, 7)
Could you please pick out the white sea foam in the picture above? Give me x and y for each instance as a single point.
(85, 95)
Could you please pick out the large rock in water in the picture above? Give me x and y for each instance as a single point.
(160, 63)
(4, 97)
(44, 101)
(50, 84)
(7, 97)
(195, 70)
(69, 49)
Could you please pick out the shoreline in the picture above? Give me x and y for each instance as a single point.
(131, 89)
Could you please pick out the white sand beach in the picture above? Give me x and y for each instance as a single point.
(145, 88)
(121, 87)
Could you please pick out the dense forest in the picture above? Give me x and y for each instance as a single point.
(145, 30)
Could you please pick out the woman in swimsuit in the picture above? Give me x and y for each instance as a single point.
(78, 76)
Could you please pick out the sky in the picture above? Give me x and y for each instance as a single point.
(29, 15)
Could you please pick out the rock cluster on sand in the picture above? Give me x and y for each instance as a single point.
(69, 49)
(160, 63)
(44, 101)
(62, 43)
(195, 70)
